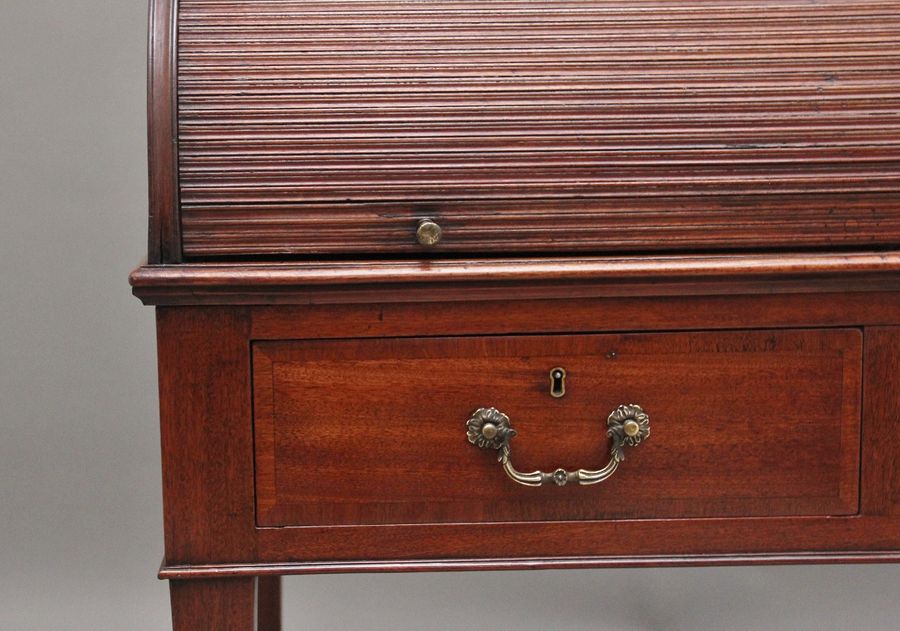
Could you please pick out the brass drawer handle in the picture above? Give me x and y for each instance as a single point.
(628, 425)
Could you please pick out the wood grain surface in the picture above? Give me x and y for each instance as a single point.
(208, 465)
(162, 127)
(206, 429)
(515, 279)
(576, 125)
(744, 424)
(881, 422)
(691, 206)
(220, 604)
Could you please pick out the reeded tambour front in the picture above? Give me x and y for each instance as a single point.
(334, 126)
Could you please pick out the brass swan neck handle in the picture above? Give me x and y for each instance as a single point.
(627, 426)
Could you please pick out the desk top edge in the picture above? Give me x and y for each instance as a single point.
(305, 282)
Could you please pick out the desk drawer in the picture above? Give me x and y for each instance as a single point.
(374, 431)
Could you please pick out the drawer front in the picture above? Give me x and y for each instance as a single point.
(374, 431)
(536, 126)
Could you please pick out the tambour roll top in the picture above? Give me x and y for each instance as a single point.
(335, 127)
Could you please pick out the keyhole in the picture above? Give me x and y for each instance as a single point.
(557, 383)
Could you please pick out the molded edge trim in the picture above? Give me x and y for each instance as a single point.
(180, 572)
(513, 278)
(162, 132)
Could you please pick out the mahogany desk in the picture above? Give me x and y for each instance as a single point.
(521, 284)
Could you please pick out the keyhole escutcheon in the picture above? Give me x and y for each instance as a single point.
(557, 382)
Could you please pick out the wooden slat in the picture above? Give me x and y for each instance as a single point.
(164, 239)
(881, 421)
(530, 125)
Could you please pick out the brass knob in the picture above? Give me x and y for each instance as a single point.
(428, 233)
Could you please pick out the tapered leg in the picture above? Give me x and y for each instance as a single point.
(268, 603)
(225, 604)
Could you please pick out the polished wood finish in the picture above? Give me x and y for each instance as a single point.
(222, 604)
(176, 572)
(689, 206)
(582, 125)
(165, 222)
(371, 431)
(484, 227)
(881, 465)
(208, 439)
(231, 332)
(486, 317)
(268, 603)
(514, 279)
(207, 465)
(226, 604)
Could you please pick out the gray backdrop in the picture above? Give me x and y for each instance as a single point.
(80, 510)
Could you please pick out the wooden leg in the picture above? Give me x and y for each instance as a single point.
(268, 603)
(226, 604)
